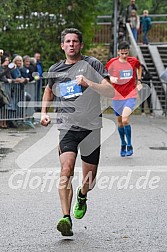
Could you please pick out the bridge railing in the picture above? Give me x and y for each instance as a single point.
(157, 34)
(102, 30)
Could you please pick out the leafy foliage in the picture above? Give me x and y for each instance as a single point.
(27, 26)
(36, 25)
(153, 6)
(105, 7)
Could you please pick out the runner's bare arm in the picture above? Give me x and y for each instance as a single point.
(47, 98)
(139, 74)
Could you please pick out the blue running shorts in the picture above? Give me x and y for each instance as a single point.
(119, 105)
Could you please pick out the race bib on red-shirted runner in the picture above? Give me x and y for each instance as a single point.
(126, 74)
(70, 89)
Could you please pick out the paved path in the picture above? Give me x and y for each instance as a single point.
(126, 210)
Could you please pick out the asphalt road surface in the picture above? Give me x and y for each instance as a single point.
(126, 210)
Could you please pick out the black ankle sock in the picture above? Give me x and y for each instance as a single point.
(81, 195)
(66, 215)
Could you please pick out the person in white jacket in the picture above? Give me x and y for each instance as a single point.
(134, 23)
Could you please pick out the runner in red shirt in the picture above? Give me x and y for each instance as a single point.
(124, 71)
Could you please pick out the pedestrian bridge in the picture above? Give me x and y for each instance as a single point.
(153, 56)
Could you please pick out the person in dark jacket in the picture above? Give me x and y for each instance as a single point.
(26, 69)
(5, 75)
(131, 6)
(146, 79)
(16, 72)
(39, 68)
(5, 78)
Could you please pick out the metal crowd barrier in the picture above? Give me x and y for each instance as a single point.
(20, 95)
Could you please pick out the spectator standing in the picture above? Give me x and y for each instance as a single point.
(5, 75)
(17, 96)
(33, 67)
(146, 79)
(121, 30)
(6, 78)
(39, 65)
(131, 6)
(134, 23)
(16, 73)
(39, 68)
(26, 70)
(146, 25)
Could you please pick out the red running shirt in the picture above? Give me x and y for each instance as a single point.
(126, 73)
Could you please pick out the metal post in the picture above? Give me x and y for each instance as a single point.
(115, 26)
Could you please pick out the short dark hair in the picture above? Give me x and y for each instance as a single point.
(3, 58)
(123, 45)
(71, 30)
(37, 52)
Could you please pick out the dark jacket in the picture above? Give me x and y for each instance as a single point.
(5, 74)
(129, 8)
(16, 73)
(26, 73)
(146, 23)
(39, 68)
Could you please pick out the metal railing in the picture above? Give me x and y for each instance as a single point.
(159, 108)
(103, 30)
(19, 97)
(157, 34)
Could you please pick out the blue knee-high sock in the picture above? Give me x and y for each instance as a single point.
(122, 135)
(127, 130)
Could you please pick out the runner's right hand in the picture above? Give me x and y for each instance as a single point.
(45, 120)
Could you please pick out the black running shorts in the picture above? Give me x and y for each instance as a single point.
(87, 141)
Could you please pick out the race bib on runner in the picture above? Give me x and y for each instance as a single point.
(70, 89)
(126, 74)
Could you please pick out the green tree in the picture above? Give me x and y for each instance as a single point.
(105, 7)
(153, 6)
(36, 25)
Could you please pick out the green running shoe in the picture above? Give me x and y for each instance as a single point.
(80, 206)
(65, 226)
